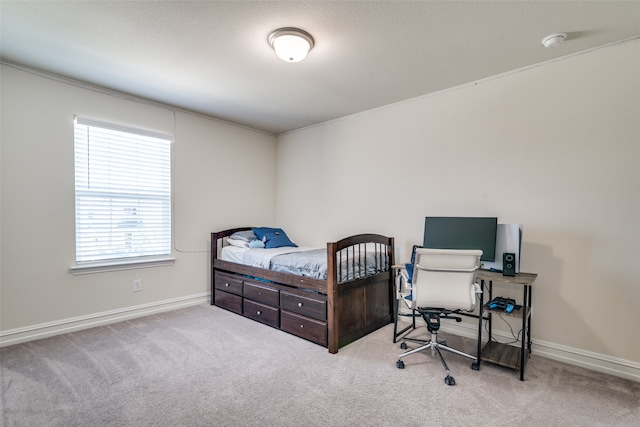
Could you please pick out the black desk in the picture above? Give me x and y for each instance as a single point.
(493, 352)
(504, 354)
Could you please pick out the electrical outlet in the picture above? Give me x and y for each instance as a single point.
(137, 285)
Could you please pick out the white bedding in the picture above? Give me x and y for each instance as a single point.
(302, 261)
(257, 257)
(233, 254)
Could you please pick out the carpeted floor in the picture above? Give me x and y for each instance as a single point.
(203, 366)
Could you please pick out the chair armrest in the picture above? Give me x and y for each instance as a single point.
(475, 290)
(402, 285)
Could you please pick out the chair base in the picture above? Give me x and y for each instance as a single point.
(435, 347)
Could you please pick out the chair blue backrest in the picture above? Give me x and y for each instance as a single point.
(409, 267)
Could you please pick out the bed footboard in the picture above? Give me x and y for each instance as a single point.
(359, 287)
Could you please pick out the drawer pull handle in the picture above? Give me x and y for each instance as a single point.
(302, 326)
(299, 304)
(226, 284)
(258, 312)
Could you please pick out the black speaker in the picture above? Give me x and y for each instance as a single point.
(508, 264)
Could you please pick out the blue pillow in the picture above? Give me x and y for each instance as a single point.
(256, 244)
(277, 239)
(261, 231)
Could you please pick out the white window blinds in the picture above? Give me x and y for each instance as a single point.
(123, 192)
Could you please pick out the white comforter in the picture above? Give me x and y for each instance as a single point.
(302, 261)
(258, 257)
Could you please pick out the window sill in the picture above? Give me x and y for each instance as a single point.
(114, 265)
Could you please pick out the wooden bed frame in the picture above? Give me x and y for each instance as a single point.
(332, 312)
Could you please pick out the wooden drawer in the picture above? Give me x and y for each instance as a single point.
(228, 283)
(304, 327)
(229, 301)
(314, 306)
(262, 313)
(260, 292)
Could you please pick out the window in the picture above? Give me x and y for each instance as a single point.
(123, 192)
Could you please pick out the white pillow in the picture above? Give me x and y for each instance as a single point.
(238, 243)
(246, 235)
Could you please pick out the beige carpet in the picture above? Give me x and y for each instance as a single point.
(203, 366)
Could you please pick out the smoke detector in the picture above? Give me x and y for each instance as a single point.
(553, 40)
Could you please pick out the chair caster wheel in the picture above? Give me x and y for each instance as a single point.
(403, 346)
(475, 366)
(448, 380)
(400, 364)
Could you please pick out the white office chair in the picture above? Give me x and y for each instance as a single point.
(443, 283)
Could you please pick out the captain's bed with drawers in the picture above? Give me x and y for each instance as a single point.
(331, 296)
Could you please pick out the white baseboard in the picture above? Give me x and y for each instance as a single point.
(44, 330)
(572, 356)
(587, 359)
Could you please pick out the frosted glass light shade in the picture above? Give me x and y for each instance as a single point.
(291, 44)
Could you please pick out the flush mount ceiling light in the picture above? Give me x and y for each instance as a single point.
(291, 44)
(553, 40)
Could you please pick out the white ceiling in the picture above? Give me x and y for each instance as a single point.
(212, 57)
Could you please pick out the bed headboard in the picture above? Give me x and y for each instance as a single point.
(217, 243)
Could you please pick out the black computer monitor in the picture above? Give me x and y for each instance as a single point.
(448, 232)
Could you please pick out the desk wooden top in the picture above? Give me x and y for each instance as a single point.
(496, 276)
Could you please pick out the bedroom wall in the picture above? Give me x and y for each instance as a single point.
(215, 186)
(553, 147)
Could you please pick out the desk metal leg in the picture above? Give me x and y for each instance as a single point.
(490, 323)
(529, 305)
(481, 315)
(397, 333)
(524, 340)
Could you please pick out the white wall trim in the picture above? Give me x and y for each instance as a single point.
(587, 359)
(573, 356)
(104, 266)
(44, 330)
